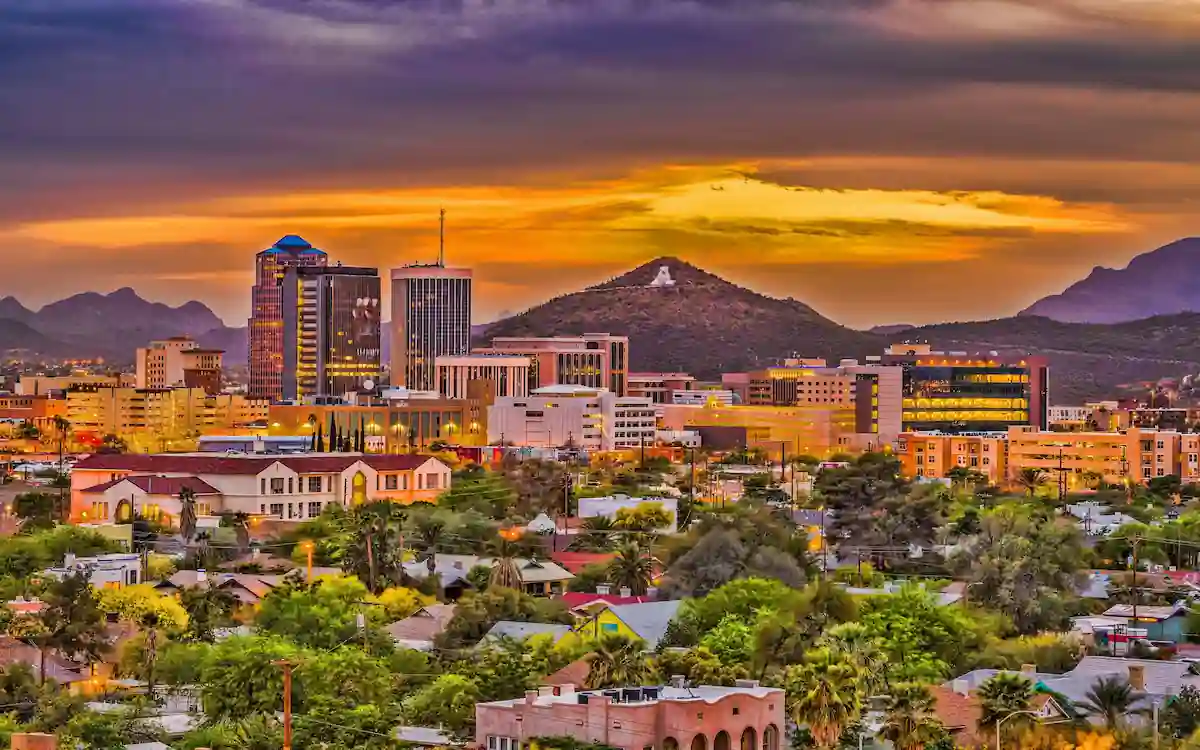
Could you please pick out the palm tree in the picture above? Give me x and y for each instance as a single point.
(240, 523)
(855, 641)
(505, 571)
(617, 661)
(28, 431)
(187, 513)
(430, 531)
(1111, 697)
(632, 568)
(1093, 480)
(1003, 695)
(825, 694)
(1031, 480)
(909, 722)
(597, 535)
(61, 427)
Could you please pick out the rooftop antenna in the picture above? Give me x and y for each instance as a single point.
(442, 238)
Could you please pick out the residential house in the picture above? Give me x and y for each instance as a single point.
(747, 715)
(519, 631)
(1154, 680)
(103, 571)
(419, 630)
(647, 621)
(538, 577)
(577, 561)
(959, 712)
(248, 588)
(1160, 623)
(115, 487)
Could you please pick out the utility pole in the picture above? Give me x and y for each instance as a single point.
(1136, 540)
(287, 702)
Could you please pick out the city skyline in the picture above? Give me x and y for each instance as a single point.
(842, 154)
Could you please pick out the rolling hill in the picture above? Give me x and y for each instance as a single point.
(1161, 282)
(703, 324)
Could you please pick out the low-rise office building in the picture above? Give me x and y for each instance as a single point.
(564, 415)
(507, 375)
(411, 422)
(660, 387)
(704, 717)
(593, 360)
(935, 456)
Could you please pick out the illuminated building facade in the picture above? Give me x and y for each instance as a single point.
(959, 392)
(178, 362)
(265, 327)
(331, 332)
(818, 430)
(507, 376)
(394, 427)
(593, 360)
(934, 456)
(153, 419)
(431, 318)
(660, 387)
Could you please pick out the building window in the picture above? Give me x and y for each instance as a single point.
(277, 486)
(262, 486)
(277, 509)
(291, 486)
(986, 460)
(404, 482)
(431, 481)
(314, 510)
(391, 482)
(314, 484)
(1161, 472)
(330, 484)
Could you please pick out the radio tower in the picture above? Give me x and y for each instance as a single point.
(442, 238)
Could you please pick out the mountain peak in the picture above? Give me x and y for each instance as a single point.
(693, 321)
(1164, 281)
(124, 294)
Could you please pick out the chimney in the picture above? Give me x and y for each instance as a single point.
(678, 681)
(602, 589)
(531, 697)
(1029, 670)
(626, 591)
(201, 575)
(545, 691)
(1137, 676)
(34, 741)
(962, 687)
(69, 560)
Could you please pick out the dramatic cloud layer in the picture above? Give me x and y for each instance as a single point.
(882, 159)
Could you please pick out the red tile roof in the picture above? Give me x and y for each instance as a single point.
(575, 599)
(159, 485)
(958, 713)
(577, 561)
(576, 673)
(177, 463)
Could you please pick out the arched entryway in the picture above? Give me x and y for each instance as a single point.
(771, 738)
(358, 489)
(699, 742)
(670, 743)
(749, 739)
(722, 741)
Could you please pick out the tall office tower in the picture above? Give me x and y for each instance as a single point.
(331, 331)
(265, 326)
(431, 318)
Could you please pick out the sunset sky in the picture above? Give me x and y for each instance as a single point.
(885, 161)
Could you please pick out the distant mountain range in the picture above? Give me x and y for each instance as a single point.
(108, 325)
(706, 325)
(1161, 282)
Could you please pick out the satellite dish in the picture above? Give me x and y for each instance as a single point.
(369, 384)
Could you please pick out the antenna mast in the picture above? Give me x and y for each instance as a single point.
(442, 238)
